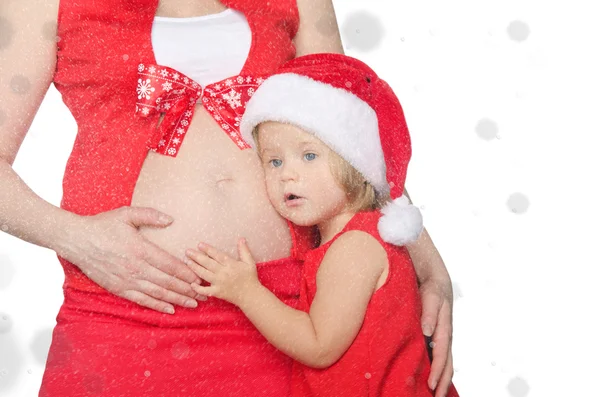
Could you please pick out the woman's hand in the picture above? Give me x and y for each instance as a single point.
(109, 249)
(436, 321)
(231, 280)
(435, 288)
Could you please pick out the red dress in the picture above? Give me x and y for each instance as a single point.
(106, 345)
(388, 356)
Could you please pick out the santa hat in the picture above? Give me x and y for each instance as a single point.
(346, 105)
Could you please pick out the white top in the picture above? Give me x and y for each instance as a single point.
(207, 48)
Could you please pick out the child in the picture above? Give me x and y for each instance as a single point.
(334, 145)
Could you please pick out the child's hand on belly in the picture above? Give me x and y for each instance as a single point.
(230, 279)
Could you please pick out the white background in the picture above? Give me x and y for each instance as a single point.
(502, 99)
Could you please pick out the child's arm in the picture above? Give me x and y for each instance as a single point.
(346, 280)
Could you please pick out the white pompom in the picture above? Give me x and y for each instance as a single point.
(400, 223)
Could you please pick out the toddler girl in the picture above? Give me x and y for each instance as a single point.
(334, 145)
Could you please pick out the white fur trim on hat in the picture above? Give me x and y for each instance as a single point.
(400, 222)
(344, 122)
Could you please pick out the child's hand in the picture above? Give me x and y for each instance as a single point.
(229, 279)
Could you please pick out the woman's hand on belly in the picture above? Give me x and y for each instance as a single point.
(109, 249)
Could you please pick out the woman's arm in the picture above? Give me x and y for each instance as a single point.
(318, 30)
(106, 247)
(435, 288)
(346, 280)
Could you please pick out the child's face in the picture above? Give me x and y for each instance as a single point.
(298, 178)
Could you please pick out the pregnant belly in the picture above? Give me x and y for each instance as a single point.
(216, 194)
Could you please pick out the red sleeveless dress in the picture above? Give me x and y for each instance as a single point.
(388, 358)
(107, 74)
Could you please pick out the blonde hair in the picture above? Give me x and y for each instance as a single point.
(361, 194)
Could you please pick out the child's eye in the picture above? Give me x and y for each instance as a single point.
(276, 162)
(310, 156)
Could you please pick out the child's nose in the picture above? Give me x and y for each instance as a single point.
(289, 172)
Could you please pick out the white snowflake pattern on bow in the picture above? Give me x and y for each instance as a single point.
(144, 89)
(233, 98)
(167, 86)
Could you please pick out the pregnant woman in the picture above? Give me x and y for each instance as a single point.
(157, 89)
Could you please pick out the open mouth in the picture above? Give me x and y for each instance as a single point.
(291, 196)
(293, 199)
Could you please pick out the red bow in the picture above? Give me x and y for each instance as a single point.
(165, 90)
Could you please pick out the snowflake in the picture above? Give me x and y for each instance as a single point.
(249, 79)
(180, 131)
(218, 86)
(185, 123)
(225, 126)
(218, 118)
(228, 83)
(212, 94)
(167, 106)
(164, 73)
(176, 140)
(211, 108)
(176, 76)
(152, 69)
(240, 143)
(259, 80)
(161, 142)
(144, 89)
(145, 111)
(195, 85)
(141, 67)
(204, 99)
(186, 80)
(172, 151)
(167, 86)
(188, 113)
(250, 91)
(240, 79)
(233, 99)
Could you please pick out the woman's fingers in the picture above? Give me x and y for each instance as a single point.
(147, 301)
(442, 340)
(165, 295)
(446, 380)
(432, 302)
(168, 263)
(155, 275)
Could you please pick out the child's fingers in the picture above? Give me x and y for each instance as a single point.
(244, 252)
(206, 291)
(215, 254)
(201, 272)
(203, 260)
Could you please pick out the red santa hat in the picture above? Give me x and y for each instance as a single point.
(346, 105)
